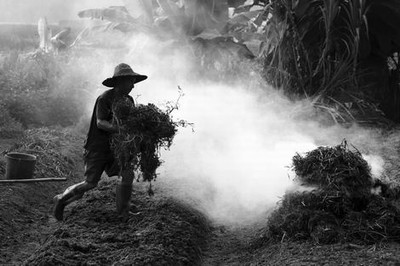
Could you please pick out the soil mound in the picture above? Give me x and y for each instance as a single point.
(161, 232)
(24, 208)
(342, 207)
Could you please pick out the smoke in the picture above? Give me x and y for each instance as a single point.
(234, 165)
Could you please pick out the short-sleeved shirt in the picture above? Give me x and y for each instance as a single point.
(98, 139)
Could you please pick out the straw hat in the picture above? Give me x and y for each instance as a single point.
(123, 70)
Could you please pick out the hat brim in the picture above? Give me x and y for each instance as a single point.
(112, 82)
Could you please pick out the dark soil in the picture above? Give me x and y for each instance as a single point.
(246, 246)
(160, 230)
(306, 253)
(25, 207)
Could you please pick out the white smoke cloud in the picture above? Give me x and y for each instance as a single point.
(240, 152)
(235, 166)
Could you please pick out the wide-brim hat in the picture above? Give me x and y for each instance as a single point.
(123, 70)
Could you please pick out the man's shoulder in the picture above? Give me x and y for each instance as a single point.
(107, 95)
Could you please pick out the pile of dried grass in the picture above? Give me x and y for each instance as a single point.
(337, 168)
(48, 145)
(342, 207)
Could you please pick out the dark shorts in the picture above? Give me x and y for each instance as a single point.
(98, 162)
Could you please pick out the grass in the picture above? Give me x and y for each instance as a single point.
(313, 51)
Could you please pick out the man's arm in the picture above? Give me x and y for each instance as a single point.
(103, 114)
(107, 126)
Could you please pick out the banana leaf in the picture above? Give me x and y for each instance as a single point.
(173, 12)
(245, 17)
(203, 14)
(113, 14)
(225, 44)
(236, 3)
(140, 8)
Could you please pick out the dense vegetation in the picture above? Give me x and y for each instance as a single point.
(340, 54)
(338, 50)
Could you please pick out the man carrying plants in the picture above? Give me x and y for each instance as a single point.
(98, 155)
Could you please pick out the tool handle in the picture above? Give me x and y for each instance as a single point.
(7, 181)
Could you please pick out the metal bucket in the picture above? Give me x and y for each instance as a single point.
(20, 165)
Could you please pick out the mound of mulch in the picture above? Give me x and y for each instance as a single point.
(342, 207)
(334, 168)
(162, 232)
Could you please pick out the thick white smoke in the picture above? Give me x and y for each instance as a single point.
(235, 165)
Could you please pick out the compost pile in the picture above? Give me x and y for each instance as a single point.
(146, 130)
(342, 207)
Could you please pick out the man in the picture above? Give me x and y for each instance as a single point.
(98, 156)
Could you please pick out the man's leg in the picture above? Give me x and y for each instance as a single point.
(124, 192)
(94, 167)
(71, 194)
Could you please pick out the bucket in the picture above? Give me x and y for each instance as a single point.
(20, 165)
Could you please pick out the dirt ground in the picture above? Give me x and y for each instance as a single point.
(25, 207)
(161, 230)
(243, 246)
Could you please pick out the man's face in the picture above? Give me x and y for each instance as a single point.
(126, 84)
